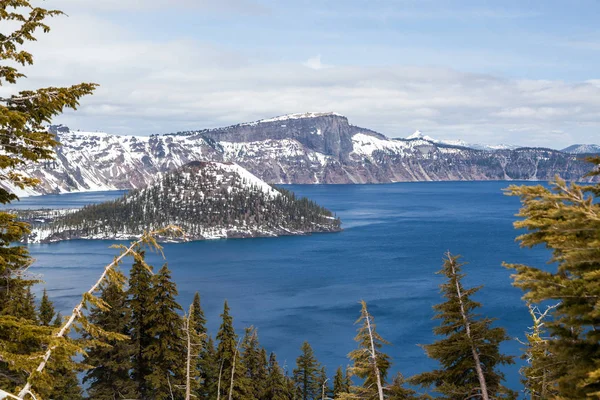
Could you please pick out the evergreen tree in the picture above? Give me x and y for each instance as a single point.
(323, 383)
(140, 298)
(46, 310)
(469, 351)
(194, 343)
(339, 383)
(228, 357)
(25, 141)
(537, 374)
(398, 390)
(165, 354)
(276, 385)
(306, 374)
(370, 364)
(566, 219)
(254, 363)
(210, 372)
(109, 378)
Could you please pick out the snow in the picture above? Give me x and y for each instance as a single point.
(461, 143)
(292, 117)
(365, 145)
(247, 177)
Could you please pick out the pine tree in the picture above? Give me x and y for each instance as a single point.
(398, 390)
(24, 141)
(165, 354)
(109, 378)
(228, 357)
(566, 219)
(194, 343)
(46, 310)
(339, 383)
(370, 364)
(306, 374)
(140, 298)
(323, 383)
(469, 350)
(254, 363)
(276, 385)
(537, 374)
(210, 372)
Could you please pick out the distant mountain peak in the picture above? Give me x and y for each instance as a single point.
(417, 135)
(582, 149)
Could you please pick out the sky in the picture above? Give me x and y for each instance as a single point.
(513, 71)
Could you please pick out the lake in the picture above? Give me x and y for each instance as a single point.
(308, 287)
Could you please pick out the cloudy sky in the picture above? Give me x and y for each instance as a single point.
(510, 71)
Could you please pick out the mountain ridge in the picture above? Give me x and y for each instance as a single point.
(310, 148)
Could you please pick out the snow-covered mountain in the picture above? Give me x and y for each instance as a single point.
(298, 148)
(582, 149)
(208, 200)
(461, 143)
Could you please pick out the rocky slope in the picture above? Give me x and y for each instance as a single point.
(208, 200)
(582, 149)
(297, 148)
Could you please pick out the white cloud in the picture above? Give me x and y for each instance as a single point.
(315, 63)
(154, 87)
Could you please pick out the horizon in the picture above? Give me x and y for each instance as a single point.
(460, 69)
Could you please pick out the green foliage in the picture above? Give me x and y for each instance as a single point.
(192, 199)
(254, 363)
(340, 384)
(46, 310)
(306, 373)
(366, 365)
(139, 298)
(210, 368)
(537, 374)
(398, 390)
(277, 387)
(566, 219)
(165, 353)
(109, 378)
(23, 140)
(468, 342)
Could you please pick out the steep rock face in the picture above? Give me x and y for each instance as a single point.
(298, 148)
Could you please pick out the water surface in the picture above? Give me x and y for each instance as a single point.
(307, 288)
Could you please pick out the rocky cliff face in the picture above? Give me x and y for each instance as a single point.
(298, 148)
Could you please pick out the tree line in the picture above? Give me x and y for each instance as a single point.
(197, 197)
(136, 341)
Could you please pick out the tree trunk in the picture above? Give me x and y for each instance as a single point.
(374, 356)
(480, 376)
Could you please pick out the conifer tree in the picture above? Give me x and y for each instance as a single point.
(398, 390)
(323, 383)
(165, 354)
(370, 364)
(46, 310)
(140, 297)
(193, 345)
(339, 383)
(468, 353)
(537, 374)
(109, 378)
(276, 385)
(23, 141)
(210, 372)
(229, 360)
(254, 362)
(566, 219)
(306, 373)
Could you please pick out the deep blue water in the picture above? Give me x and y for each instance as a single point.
(307, 288)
